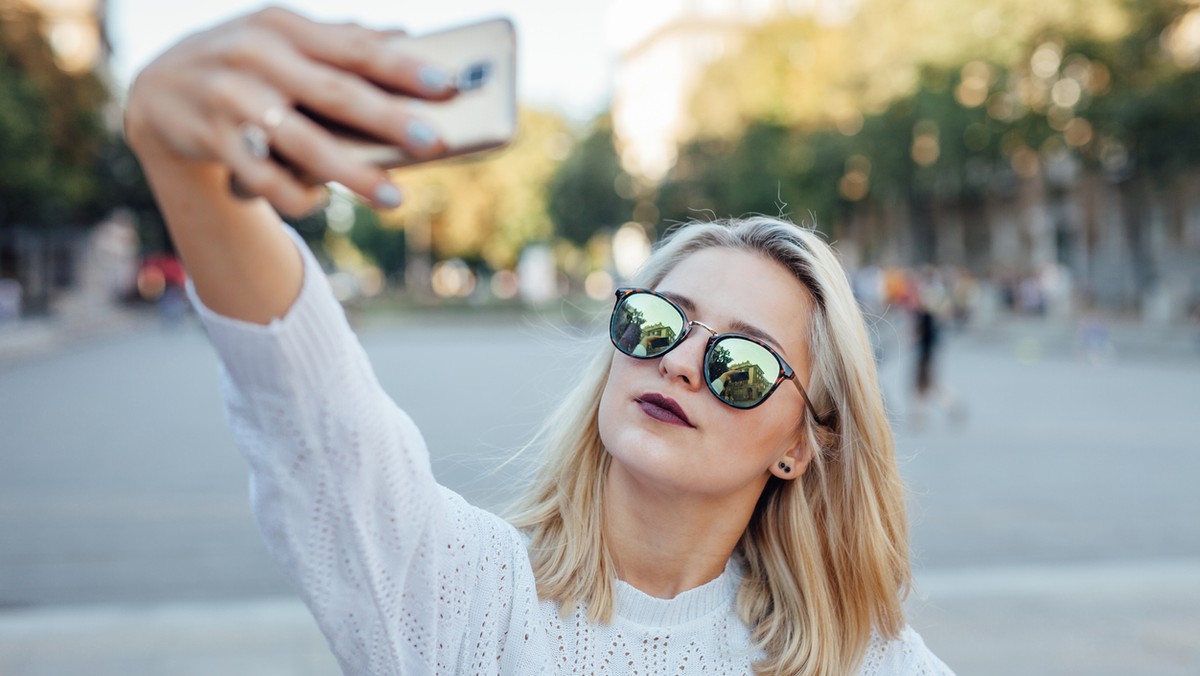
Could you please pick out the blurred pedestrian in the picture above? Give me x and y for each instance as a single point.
(1031, 298)
(964, 295)
(931, 305)
(1094, 343)
(10, 299)
(676, 525)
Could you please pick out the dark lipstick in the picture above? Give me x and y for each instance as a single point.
(664, 409)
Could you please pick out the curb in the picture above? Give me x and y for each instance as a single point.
(29, 339)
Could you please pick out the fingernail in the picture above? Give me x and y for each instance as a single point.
(421, 134)
(433, 78)
(388, 195)
(322, 201)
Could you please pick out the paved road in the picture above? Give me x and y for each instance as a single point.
(1054, 530)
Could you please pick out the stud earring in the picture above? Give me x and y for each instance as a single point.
(785, 468)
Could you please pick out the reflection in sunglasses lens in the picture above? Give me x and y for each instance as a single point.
(645, 325)
(741, 372)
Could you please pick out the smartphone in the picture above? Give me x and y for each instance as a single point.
(482, 58)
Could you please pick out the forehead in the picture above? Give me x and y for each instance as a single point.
(729, 286)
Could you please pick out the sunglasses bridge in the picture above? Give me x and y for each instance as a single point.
(687, 330)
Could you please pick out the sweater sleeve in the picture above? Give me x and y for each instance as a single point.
(389, 563)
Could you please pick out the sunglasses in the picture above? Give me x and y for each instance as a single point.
(741, 371)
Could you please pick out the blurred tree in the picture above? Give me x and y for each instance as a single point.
(386, 247)
(583, 194)
(123, 185)
(1141, 100)
(51, 130)
(1143, 105)
(311, 228)
(484, 208)
(797, 70)
(896, 110)
(771, 169)
(52, 144)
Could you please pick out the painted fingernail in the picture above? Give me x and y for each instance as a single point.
(433, 78)
(421, 134)
(388, 195)
(321, 201)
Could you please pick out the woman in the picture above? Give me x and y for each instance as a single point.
(696, 512)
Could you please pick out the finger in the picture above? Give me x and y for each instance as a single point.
(320, 196)
(251, 177)
(263, 124)
(316, 155)
(347, 100)
(371, 54)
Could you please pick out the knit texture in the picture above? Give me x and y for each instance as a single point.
(402, 575)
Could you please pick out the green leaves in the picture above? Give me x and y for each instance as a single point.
(843, 118)
(51, 132)
(583, 196)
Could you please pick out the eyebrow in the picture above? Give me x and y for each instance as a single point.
(737, 325)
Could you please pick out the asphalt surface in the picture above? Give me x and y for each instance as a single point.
(1053, 511)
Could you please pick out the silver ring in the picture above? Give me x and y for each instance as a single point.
(257, 137)
(272, 118)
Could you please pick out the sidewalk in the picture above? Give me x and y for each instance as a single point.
(1104, 619)
(32, 338)
(269, 637)
(1125, 338)
(1034, 337)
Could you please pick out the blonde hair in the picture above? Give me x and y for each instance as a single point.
(825, 556)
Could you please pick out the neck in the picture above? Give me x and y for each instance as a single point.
(664, 543)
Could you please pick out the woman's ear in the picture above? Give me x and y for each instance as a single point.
(794, 464)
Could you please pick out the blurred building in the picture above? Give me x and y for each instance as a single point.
(656, 76)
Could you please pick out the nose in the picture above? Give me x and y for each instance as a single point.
(686, 360)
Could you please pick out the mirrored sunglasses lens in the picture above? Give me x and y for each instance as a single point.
(644, 325)
(740, 372)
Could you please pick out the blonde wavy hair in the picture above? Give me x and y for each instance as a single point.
(825, 556)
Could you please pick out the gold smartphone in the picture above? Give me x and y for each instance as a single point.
(481, 57)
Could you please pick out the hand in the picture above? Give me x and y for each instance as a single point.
(224, 96)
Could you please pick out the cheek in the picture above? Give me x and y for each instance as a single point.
(609, 397)
(770, 435)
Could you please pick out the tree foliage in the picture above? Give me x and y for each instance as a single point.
(796, 70)
(812, 118)
(484, 209)
(386, 247)
(52, 135)
(583, 197)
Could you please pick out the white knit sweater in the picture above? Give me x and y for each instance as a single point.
(402, 575)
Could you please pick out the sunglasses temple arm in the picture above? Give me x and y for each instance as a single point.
(808, 402)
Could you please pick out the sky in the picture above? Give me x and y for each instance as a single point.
(566, 54)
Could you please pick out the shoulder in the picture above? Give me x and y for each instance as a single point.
(905, 655)
(491, 533)
(478, 540)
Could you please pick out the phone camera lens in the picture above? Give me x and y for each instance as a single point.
(474, 76)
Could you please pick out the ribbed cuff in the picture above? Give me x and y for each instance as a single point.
(302, 345)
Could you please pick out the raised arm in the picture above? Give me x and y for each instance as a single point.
(188, 115)
(390, 563)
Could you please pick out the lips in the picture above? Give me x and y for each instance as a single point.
(663, 409)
